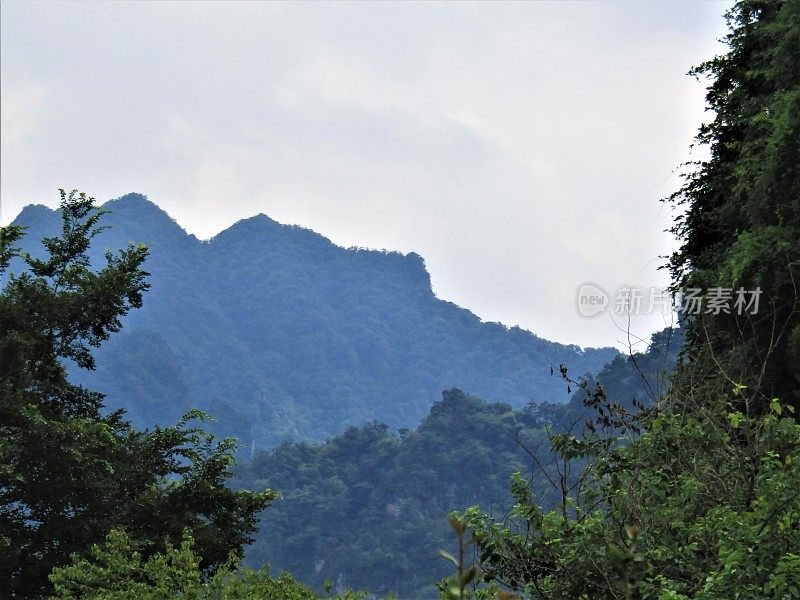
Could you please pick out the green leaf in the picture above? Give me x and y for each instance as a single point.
(448, 556)
(616, 553)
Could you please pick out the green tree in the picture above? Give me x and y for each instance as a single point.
(705, 504)
(117, 570)
(69, 473)
(739, 218)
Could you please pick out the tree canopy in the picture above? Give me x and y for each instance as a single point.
(68, 472)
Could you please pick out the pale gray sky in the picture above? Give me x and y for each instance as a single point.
(521, 148)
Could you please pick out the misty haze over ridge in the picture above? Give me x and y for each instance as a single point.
(282, 334)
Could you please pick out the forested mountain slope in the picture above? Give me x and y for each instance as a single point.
(367, 508)
(282, 334)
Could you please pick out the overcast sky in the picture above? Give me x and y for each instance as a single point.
(520, 148)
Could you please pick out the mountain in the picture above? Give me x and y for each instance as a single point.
(367, 508)
(281, 334)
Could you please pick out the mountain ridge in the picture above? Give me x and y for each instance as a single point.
(285, 335)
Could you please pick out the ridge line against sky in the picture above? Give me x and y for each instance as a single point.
(521, 149)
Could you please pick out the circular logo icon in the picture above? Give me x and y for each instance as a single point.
(591, 300)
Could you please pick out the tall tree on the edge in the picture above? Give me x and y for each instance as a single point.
(741, 225)
(69, 474)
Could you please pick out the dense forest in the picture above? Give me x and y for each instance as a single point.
(669, 475)
(282, 335)
(364, 509)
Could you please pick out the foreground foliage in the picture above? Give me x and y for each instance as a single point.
(68, 472)
(677, 513)
(117, 570)
(740, 212)
(705, 503)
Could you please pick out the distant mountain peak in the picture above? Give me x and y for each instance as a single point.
(34, 214)
(133, 197)
(136, 202)
(129, 204)
(259, 220)
(260, 228)
(140, 216)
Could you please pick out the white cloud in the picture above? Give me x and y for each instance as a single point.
(521, 148)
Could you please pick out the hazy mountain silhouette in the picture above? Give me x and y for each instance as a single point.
(280, 334)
